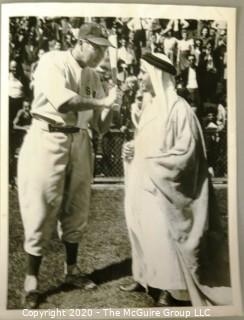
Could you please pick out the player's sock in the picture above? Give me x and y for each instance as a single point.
(31, 283)
(71, 269)
(33, 264)
(71, 257)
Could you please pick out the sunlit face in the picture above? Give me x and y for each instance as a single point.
(57, 45)
(13, 67)
(41, 52)
(26, 106)
(205, 32)
(123, 42)
(184, 35)
(145, 80)
(169, 33)
(198, 43)
(191, 60)
(92, 54)
(212, 32)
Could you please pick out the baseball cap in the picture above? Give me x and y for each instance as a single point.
(94, 33)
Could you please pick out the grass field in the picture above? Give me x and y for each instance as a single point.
(104, 253)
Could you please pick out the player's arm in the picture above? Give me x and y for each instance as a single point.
(60, 96)
(78, 103)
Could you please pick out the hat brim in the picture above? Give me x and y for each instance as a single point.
(100, 41)
(159, 63)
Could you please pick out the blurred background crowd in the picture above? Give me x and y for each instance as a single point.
(197, 48)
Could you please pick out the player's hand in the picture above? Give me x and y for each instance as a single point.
(128, 150)
(111, 97)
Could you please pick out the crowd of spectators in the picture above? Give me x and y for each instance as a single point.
(196, 47)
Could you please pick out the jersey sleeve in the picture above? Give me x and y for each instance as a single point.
(50, 80)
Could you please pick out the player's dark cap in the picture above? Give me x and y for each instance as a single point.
(94, 33)
(160, 61)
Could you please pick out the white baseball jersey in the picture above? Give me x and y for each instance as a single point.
(57, 79)
(55, 169)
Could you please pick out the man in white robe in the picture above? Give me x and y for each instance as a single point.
(176, 237)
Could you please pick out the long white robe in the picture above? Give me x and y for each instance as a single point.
(167, 205)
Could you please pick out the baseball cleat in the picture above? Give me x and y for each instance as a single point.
(132, 287)
(30, 299)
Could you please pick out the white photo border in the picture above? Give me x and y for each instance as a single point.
(125, 10)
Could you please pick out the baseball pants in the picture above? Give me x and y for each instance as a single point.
(54, 185)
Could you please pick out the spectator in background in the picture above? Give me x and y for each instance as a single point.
(221, 113)
(122, 72)
(170, 44)
(197, 50)
(33, 67)
(124, 54)
(57, 45)
(136, 109)
(76, 22)
(153, 44)
(204, 36)
(52, 29)
(22, 123)
(212, 37)
(221, 31)
(12, 46)
(23, 118)
(211, 138)
(221, 121)
(30, 53)
(220, 54)
(119, 31)
(18, 90)
(185, 47)
(124, 27)
(20, 40)
(128, 99)
(68, 42)
(39, 31)
(191, 82)
(64, 29)
(209, 74)
(138, 26)
(176, 25)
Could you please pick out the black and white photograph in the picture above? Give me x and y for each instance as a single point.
(119, 187)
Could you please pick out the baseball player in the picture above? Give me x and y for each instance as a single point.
(55, 163)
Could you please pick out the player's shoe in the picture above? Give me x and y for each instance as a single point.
(132, 287)
(30, 299)
(79, 279)
(165, 299)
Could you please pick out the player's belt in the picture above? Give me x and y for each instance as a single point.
(52, 128)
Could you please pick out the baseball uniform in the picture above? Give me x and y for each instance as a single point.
(55, 183)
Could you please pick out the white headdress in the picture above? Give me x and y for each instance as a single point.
(161, 71)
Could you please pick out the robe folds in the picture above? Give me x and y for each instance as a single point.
(174, 226)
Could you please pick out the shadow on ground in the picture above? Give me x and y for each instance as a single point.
(104, 254)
